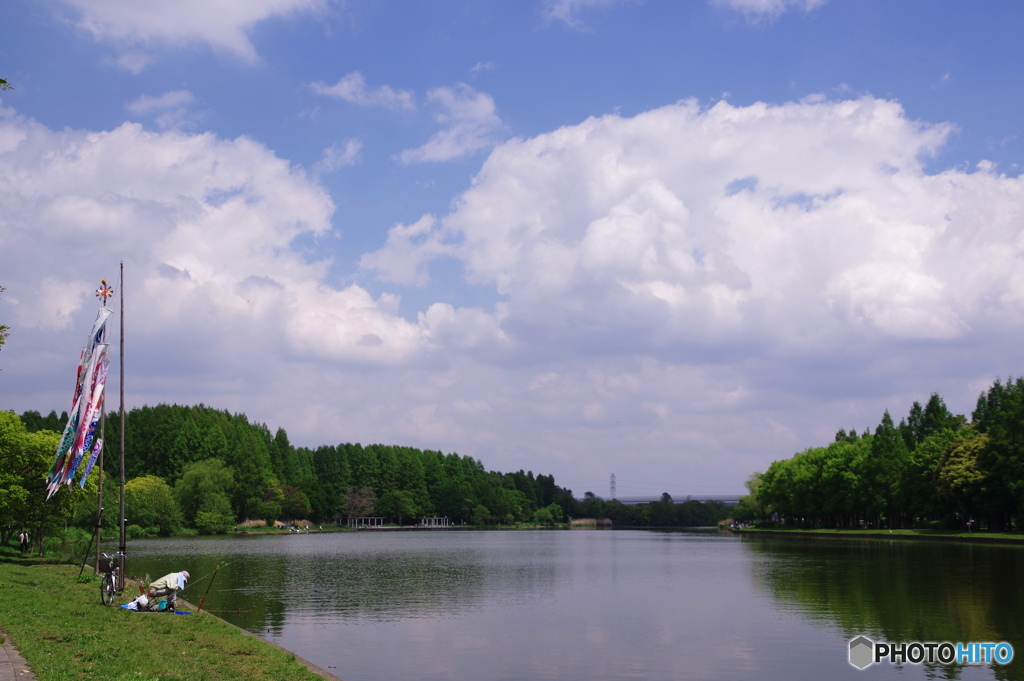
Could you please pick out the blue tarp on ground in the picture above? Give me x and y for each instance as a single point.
(176, 612)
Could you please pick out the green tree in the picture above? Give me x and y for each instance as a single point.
(398, 504)
(213, 444)
(663, 512)
(85, 508)
(364, 467)
(330, 467)
(185, 448)
(542, 516)
(33, 421)
(149, 502)
(481, 516)
(750, 508)
(773, 492)
(434, 478)
(1000, 414)
(25, 459)
(412, 476)
(271, 507)
(294, 503)
(593, 506)
(961, 477)
(214, 515)
(554, 510)
(886, 467)
(250, 460)
(202, 487)
(925, 501)
(18, 469)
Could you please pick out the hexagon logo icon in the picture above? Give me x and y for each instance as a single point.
(862, 652)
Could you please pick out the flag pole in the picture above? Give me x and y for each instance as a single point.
(121, 546)
(99, 502)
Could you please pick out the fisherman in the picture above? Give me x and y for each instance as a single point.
(169, 585)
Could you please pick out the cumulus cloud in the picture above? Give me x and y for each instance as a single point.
(205, 227)
(470, 123)
(352, 88)
(693, 282)
(223, 25)
(691, 232)
(723, 265)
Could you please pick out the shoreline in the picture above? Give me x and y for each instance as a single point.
(52, 619)
(315, 668)
(980, 538)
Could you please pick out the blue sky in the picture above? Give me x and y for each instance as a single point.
(671, 241)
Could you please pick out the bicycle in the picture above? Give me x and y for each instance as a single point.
(110, 566)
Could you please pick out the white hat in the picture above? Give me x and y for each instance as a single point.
(184, 573)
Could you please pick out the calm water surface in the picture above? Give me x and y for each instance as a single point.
(586, 605)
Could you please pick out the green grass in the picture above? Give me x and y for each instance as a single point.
(63, 632)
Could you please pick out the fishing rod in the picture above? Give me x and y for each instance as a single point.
(239, 611)
(211, 572)
(215, 571)
(85, 558)
(203, 599)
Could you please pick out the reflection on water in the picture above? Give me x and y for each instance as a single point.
(596, 604)
(900, 590)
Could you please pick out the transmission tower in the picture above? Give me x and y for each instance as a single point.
(613, 485)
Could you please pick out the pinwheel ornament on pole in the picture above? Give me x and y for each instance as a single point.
(81, 440)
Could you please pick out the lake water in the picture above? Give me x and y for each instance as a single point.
(590, 605)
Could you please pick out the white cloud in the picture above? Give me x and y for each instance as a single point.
(352, 88)
(700, 284)
(470, 121)
(768, 9)
(569, 12)
(689, 231)
(338, 156)
(223, 25)
(169, 100)
(133, 61)
(171, 108)
(409, 248)
(205, 227)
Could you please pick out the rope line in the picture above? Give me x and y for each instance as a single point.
(196, 581)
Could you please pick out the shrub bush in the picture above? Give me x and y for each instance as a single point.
(135, 531)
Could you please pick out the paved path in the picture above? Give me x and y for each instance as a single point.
(12, 664)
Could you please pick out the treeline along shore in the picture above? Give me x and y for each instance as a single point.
(934, 469)
(207, 469)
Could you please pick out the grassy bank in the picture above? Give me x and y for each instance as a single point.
(63, 632)
(924, 534)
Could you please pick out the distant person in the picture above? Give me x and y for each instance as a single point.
(23, 541)
(169, 585)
